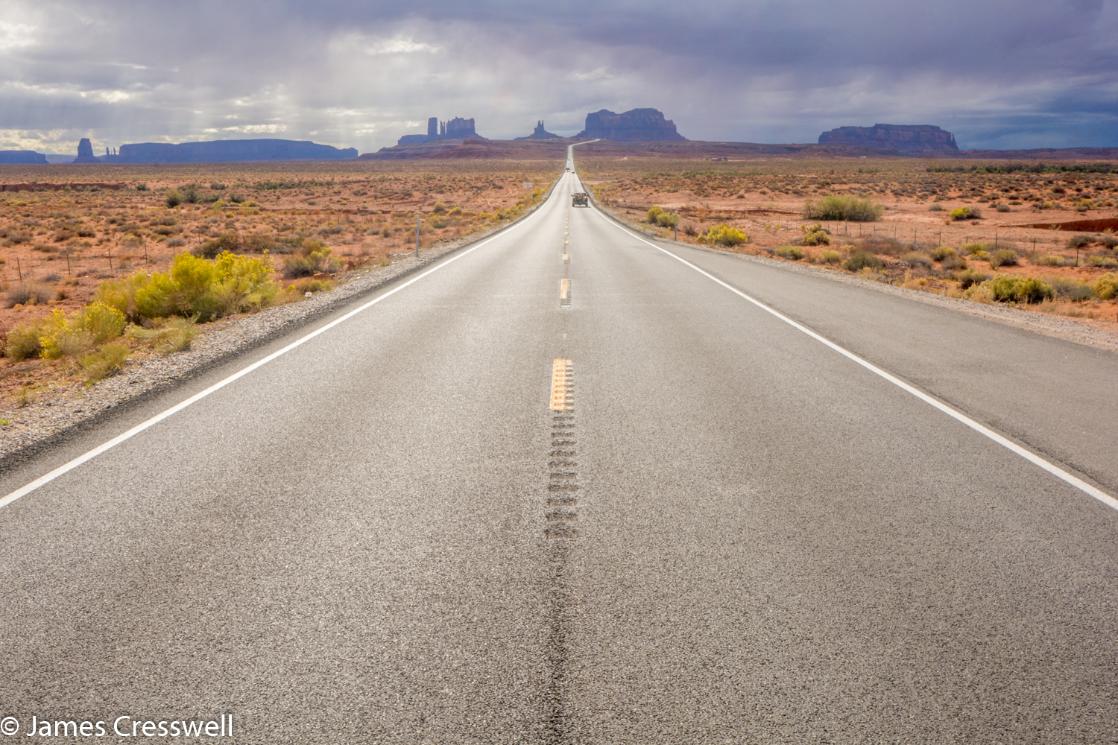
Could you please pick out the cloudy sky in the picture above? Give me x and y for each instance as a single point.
(999, 73)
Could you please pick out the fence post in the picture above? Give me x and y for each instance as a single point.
(19, 269)
(68, 272)
(418, 220)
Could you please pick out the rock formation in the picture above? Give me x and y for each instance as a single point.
(900, 139)
(459, 129)
(230, 151)
(85, 152)
(22, 157)
(539, 133)
(637, 125)
(455, 129)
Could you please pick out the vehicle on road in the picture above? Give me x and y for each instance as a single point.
(580, 199)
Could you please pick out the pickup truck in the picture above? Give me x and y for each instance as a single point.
(580, 199)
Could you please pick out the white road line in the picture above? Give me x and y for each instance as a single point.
(149, 423)
(927, 398)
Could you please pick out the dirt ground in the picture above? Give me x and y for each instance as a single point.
(1034, 212)
(65, 229)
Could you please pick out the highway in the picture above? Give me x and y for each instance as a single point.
(573, 486)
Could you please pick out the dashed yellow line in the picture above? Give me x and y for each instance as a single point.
(562, 396)
(564, 290)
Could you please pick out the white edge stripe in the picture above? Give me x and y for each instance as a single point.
(148, 423)
(927, 398)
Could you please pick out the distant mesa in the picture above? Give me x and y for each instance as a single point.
(22, 157)
(455, 129)
(229, 151)
(636, 125)
(539, 133)
(899, 139)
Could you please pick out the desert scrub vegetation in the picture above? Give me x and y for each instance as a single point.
(792, 253)
(166, 335)
(815, 235)
(311, 258)
(1003, 257)
(724, 235)
(843, 207)
(162, 307)
(1106, 287)
(662, 218)
(965, 213)
(1006, 289)
(860, 260)
(202, 289)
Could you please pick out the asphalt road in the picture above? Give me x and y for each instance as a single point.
(569, 489)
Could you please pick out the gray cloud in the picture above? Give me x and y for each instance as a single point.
(999, 72)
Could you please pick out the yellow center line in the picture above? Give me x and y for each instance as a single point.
(564, 289)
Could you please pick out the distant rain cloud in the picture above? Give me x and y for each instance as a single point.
(999, 73)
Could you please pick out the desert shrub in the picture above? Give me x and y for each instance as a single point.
(173, 199)
(107, 360)
(103, 322)
(1006, 289)
(258, 243)
(194, 287)
(935, 208)
(860, 260)
(829, 257)
(965, 213)
(939, 253)
(300, 287)
(1050, 260)
(27, 294)
(1110, 241)
(22, 341)
(1105, 262)
(312, 257)
(661, 217)
(883, 244)
(978, 250)
(1079, 241)
(1001, 207)
(1106, 286)
(852, 209)
(725, 235)
(916, 259)
(61, 337)
(953, 263)
(211, 248)
(815, 235)
(794, 253)
(969, 278)
(1070, 289)
(1003, 257)
(166, 335)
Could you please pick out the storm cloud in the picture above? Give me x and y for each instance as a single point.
(999, 73)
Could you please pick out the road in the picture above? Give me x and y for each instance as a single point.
(572, 487)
